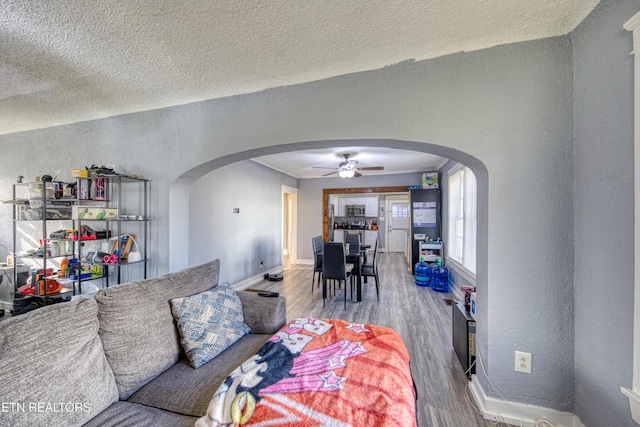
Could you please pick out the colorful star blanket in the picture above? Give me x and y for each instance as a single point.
(320, 372)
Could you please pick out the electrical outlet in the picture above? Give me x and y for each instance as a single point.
(523, 362)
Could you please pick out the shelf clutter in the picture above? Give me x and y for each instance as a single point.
(96, 217)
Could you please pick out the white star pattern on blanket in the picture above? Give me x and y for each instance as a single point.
(357, 327)
(332, 381)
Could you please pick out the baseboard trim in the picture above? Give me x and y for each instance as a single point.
(255, 279)
(304, 261)
(514, 413)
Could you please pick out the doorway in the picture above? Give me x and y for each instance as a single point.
(289, 231)
(397, 220)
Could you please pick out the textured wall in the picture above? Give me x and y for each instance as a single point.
(239, 240)
(506, 112)
(604, 213)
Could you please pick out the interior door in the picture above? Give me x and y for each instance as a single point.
(397, 225)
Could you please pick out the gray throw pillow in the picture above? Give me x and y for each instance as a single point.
(209, 322)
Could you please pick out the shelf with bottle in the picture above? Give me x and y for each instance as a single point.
(124, 212)
(73, 271)
(96, 202)
(38, 200)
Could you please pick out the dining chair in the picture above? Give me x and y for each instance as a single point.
(317, 259)
(353, 239)
(371, 269)
(334, 267)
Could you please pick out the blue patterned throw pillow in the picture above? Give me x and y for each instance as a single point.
(209, 322)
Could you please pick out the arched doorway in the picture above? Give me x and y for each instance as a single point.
(179, 193)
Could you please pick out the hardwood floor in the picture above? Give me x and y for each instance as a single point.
(419, 314)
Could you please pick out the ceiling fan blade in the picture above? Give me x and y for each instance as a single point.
(372, 168)
(330, 173)
(357, 174)
(351, 164)
(320, 167)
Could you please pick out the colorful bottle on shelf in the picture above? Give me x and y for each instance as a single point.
(64, 264)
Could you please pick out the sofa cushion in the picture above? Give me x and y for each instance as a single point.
(125, 414)
(208, 323)
(53, 368)
(137, 328)
(264, 315)
(188, 391)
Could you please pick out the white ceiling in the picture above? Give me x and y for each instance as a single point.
(65, 61)
(308, 163)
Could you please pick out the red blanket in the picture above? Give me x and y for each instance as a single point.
(320, 372)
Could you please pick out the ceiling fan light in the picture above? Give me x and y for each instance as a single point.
(347, 173)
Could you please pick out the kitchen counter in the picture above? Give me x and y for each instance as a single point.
(360, 229)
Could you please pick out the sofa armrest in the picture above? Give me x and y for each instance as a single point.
(264, 315)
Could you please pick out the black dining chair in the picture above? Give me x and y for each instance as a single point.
(353, 240)
(371, 269)
(317, 259)
(334, 267)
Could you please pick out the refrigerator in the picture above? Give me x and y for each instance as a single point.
(426, 220)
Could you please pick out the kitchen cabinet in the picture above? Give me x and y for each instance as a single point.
(338, 236)
(333, 201)
(371, 206)
(370, 237)
(342, 206)
(340, 203)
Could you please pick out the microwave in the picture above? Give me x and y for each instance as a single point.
(355, 210)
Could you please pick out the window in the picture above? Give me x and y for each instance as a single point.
(462, 218)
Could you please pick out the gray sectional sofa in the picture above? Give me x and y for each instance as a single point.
(116, 359)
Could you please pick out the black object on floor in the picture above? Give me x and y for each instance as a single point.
(269, 294)
(273, 277)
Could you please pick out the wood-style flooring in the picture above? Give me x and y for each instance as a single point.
(419, 314)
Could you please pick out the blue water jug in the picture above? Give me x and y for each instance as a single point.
(422, 273)
(440, 278)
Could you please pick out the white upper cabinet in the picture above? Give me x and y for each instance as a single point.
(333, 200)
(342, 204)
(371, 206)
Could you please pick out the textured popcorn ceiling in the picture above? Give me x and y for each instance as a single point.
(64, 61)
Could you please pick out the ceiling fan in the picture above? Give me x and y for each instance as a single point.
(349, 168)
